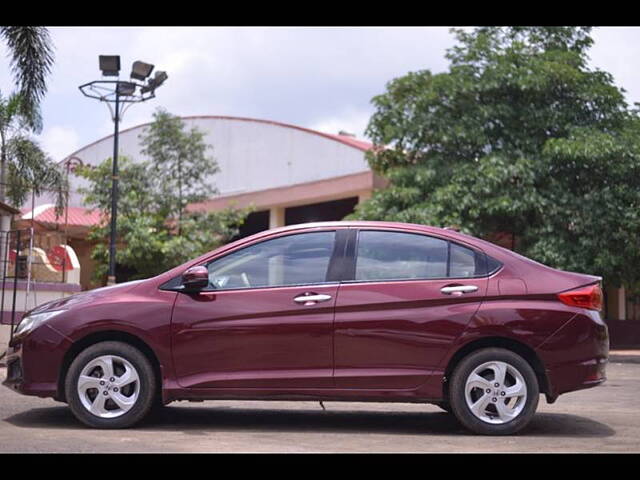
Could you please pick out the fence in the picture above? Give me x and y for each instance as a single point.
(34, 267)
(35, 256)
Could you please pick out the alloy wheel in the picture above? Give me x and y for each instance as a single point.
(108, 386)
(496, 392)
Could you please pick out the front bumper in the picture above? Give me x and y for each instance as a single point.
(34, 362)
(576, 356)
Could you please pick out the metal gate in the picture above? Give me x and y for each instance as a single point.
(27, 256)
(13, 266)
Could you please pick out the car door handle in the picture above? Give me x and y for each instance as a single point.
(459, 289)
(312, 299)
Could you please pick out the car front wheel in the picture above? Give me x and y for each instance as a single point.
(110, 385)
(494, 392)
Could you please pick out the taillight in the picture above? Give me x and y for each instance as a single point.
(585, 297)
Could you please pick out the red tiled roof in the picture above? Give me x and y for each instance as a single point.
(8, 208)
(77, 216)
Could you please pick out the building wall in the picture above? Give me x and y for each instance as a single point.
(83, 250)
(252, 155)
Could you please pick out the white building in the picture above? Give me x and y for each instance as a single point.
(289, 174)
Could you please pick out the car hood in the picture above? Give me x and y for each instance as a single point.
(83, 298)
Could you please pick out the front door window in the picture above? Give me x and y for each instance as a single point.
(301, 259)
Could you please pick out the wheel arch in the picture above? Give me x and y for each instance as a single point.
(515, 346)
(104, 336)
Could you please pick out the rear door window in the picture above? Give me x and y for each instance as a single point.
(399, 256)
(385, 255)
(463, 262)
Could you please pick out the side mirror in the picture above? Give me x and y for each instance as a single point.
(195, 278)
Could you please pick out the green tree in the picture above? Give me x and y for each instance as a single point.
(180, 159)
(153, 236)
(518, 136)
(31, 53)
(24, 167)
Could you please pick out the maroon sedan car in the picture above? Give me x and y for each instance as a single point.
(341, 311)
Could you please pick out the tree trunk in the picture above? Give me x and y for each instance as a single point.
(179, 197)
(3, 168)
(5, 220)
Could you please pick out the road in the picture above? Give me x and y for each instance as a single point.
(602, 419)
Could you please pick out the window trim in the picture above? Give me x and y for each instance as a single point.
(354, 253)
(335, 256)
(340, 263)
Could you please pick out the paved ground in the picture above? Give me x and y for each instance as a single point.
(603, 419)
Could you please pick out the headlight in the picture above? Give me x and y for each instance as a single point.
(31, 322)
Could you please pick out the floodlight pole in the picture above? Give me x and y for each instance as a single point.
(111, 278)
(109, 91)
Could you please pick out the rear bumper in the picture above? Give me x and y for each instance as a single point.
(33, 364)
(576, 376)
(576, 356)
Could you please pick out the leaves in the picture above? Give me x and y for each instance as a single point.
(31, 61)
(154, 232)
(29, 170)
(25, 168)
(182, 166)
(520, 137)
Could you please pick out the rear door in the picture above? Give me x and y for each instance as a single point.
(409, 296)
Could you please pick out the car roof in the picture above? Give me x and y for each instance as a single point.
(364, 224)
(450, 233)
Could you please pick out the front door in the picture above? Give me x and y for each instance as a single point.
(266, 320)
(410, 296)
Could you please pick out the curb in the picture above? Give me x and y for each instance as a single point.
(624, 358)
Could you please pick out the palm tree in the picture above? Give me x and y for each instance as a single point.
(31, 55)
(25, 167)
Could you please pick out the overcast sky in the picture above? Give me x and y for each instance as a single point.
(321, 78)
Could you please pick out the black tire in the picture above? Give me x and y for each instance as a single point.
(444, 406)
(457, 392)
(147, 385)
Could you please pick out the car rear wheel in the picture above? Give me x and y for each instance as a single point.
(494, 392)
(110, 385)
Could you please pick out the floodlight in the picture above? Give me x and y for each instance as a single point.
(160, 78)
(126, 88)
(141, 70)
(155, 82)
(110, 65)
